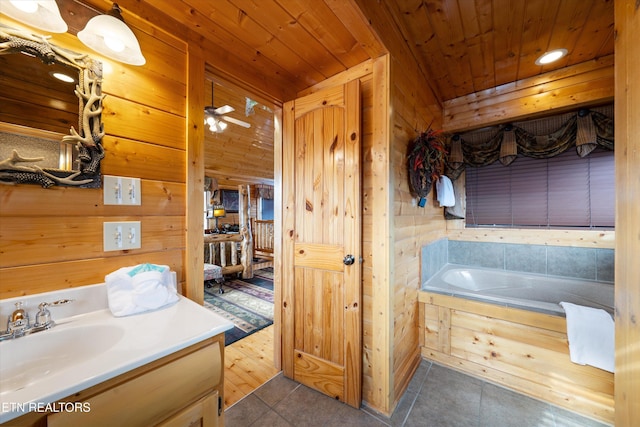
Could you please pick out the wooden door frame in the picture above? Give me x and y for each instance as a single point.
(277, 237)
(199, 67)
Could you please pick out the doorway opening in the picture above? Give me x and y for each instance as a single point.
(239, 154)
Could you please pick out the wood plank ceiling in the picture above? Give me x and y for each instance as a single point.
(461, 46)
(468, 46)
(239, 155)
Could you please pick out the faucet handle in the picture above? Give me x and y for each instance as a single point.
(19, 313)
(18, 321)
(43, 316)
(59, 302)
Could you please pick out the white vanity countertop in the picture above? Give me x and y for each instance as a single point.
(86, 349)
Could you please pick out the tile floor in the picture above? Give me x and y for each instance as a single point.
(436, 396)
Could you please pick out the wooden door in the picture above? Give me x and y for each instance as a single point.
(321, 289)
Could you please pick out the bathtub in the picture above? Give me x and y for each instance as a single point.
(508, 328)
(528, 291)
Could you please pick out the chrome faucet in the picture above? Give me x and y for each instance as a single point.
(18, 322)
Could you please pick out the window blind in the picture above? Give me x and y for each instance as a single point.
(562, 191)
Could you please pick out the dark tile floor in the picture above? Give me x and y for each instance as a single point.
(436, 396)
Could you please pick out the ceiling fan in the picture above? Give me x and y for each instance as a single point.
(214, 116)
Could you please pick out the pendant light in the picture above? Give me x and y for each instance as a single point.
(110, 36)
(41, 14)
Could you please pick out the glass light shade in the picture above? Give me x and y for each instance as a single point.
(219, 211)
(41, 14)
(221, 125)
(112, 38)
(215, 125)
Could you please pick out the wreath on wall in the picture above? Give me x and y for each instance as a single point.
(426, 161)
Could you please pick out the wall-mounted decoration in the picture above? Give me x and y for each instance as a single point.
(19, 168)
(425, 163)
(230, 199)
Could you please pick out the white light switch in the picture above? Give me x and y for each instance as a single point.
(112, 190)
(132, 195)
(120, 190)
(118, 236)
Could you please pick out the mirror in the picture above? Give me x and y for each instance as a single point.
(49, 107)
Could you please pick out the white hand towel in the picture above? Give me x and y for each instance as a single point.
(444, 191)
(591, 336)
(133, 290)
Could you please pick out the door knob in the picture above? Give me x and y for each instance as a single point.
(348, 260)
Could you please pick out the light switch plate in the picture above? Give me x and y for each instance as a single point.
(132, 192)
(120, 236)
(119, 190)
(112, 189)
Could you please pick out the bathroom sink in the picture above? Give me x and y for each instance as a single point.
(89, 345)
(27, 360)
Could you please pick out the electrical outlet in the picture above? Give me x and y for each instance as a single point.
(120, 190)
(119, 236)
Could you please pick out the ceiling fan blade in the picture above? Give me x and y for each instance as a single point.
(225, 109)
(236, 122)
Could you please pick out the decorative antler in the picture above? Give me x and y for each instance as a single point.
(92, 129)
(18, 40)
(87, 139)
(12, 162)
(68, 180)
(76, 60)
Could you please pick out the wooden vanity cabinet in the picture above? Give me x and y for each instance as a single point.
(182, 389)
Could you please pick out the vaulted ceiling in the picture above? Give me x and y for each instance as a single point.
(462, 46)
(467, 46)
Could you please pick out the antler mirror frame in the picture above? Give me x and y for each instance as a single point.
(18, 169)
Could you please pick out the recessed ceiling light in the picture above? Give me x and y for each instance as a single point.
(551, 56)
(63, 77)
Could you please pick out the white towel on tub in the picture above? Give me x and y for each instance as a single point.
(591, 336)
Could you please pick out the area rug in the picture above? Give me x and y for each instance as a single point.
(248, 303)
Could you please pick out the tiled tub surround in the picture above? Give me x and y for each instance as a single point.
(563, 261)
(525, 350)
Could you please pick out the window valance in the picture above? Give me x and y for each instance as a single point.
(263, 191)
(584, 129)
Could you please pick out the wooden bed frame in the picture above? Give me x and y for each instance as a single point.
(232, 252)
(262, 243)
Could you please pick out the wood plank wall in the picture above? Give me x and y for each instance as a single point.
(412, 226)
(52, 238)
(557, 91)
(603, 239)
(404, 103)
(627, 384)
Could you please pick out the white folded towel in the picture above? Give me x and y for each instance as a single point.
(144, 287)
(591, 336)
(444, 191)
